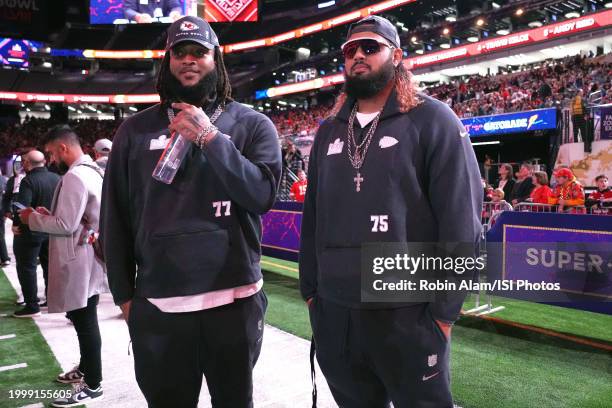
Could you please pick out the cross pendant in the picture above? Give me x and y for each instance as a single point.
(358, 180)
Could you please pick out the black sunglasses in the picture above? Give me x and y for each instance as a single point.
(368, 46)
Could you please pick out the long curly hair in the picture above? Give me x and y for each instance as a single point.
(406, 91)
(223, 91)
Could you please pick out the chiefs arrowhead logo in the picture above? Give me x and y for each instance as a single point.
(188, 26)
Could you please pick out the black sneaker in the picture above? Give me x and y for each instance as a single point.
(73, 376)
(81, 394)
(27, 311)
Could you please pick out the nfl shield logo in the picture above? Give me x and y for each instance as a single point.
(188, 26)
(432, 360)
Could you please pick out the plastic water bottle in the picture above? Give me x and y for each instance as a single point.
(171, 159)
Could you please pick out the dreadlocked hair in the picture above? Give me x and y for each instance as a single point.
(223, 91)
(405, 89)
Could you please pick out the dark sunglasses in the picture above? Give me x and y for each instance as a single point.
(368, 46)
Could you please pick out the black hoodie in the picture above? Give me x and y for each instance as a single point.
(420, 170)
(202, 232)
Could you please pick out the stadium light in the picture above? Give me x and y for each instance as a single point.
(445, 45)
(414, 40)
(495, 5)
(71, 108)
(519, 12)
(47, 107)
(446, 31)
(572, 14)
(608, 4)
(480, 22)
(495, 142)
(419, 51)
(503, 31)
(451, 18)
(535, 24)
(327, 4)
(47, 64)
(282, 103)
(133, 109)
(472, 39)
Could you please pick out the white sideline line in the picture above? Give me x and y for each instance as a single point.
(8, 336)
(13, 367)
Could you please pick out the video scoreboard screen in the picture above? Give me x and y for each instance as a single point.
(166, 11)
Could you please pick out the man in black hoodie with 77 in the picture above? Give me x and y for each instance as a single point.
(183, 258)
(390, 165)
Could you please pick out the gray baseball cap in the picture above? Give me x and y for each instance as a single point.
(378, 25)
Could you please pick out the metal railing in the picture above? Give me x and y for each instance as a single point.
(287, 179)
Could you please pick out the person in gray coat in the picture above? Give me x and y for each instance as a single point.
(76, 276)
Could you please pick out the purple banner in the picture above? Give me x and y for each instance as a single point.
(578, 261)
(281, 231)
(606, 122)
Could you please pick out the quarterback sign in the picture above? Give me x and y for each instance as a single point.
(228, 11)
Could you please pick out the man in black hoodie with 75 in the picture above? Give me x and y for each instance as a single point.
(390, 165)
(183, 258)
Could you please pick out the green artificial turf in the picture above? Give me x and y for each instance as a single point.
(594, 326)
(28, 347)
(494, 365)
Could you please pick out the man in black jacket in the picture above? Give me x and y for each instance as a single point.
(183, 258)
(523, 186)
(36, 190)
(390, 166)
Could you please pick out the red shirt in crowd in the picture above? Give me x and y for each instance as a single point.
(298, 189)
(601, 195)
(541, 194)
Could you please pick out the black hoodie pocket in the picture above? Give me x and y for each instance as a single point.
(190, 253)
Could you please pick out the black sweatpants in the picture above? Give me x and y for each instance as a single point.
(173, 350)
(85, 323)
(28, 251)
(372, 357)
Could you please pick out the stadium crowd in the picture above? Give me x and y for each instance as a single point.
(18, 138)
(533, 87)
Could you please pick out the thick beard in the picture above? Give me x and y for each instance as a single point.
(200, 94)
(62, 167)
(369, 85)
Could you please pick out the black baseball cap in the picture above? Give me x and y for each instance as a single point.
(191, 28)
(378, 25)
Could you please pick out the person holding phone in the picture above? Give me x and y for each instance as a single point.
(36, 190)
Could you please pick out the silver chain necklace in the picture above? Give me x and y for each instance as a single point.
(213, 118)
(357, 152)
